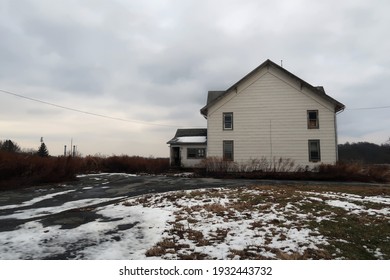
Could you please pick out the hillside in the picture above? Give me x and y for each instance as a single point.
(365, 152)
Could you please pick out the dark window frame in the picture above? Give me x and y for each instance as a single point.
(228, 155)
(196, 153)
(313, 123)
(314, 155)
(224, 122)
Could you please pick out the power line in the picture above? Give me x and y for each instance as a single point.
(86, 112)
(369, 108)
(135, 121)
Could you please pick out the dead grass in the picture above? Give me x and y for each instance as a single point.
(163, 247)
(348, 235)
(285, 169)
(19, 170)
(23, 170)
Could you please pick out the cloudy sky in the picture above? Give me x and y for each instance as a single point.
(147, 65)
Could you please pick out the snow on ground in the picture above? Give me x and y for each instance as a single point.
(35, 200)
(210, 223)
(222, 229)
(44, 211)
(101, 175)
(123, 234)
(355, 204)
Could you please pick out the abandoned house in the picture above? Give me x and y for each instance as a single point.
(270, 113)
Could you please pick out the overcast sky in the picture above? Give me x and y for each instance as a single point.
(152, 62)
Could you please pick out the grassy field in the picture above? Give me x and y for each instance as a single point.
(275, 222)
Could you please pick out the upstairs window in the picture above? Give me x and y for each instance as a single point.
(312, 119)
(228, 150)
(314, 151)
(227, 121)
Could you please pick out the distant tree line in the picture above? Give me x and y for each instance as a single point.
(9, 146)
(23, 168)
(365, 152)
(12, 147)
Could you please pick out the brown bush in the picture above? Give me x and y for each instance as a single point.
(134, 164)
(285, 169)
(24, 170)
(264, 165)
(353, 171)
(20, 170)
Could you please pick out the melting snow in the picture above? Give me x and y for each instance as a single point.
(128, 230)
(35, 200)
(191, 139)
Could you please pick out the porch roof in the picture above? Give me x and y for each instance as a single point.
(189, 136)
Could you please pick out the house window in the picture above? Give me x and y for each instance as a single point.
(312, 119)
(227, 121)
(314, 151)
(194, 153)
(228, 150)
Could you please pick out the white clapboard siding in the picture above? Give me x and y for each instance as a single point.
(190, 162)
(270, 120)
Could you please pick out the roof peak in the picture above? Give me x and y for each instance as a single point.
(213, 96)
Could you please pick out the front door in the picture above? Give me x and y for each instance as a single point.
(176, 159)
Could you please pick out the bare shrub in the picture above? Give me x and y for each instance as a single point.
(379, 173)
(24, 170)
(265, 165)
(285, 168)
(134, 164)
(21, 170)
(218, 164)
(353, 171)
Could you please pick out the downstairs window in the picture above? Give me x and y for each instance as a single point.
(314, 151)
(195, 153)
(228, 150)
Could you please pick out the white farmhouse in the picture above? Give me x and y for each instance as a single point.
(271, 113)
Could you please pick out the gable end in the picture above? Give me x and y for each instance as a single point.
(214, 96)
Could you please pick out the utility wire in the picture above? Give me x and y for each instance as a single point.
(134, 121)
(85, 112)
(369, 108)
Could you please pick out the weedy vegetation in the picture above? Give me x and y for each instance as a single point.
(22, 169)
(278, 222)
(286, 169)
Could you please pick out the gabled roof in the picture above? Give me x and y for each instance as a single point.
(189, 136)
(214, 96)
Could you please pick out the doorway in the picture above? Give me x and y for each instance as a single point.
(176, 158)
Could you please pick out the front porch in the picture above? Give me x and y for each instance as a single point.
(188, 148)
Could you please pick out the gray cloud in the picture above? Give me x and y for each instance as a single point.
(154, 61)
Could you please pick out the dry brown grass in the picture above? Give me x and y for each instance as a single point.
(161, 248)
(285, 169)
(19, 170)
(23, 170)
(348, 236)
